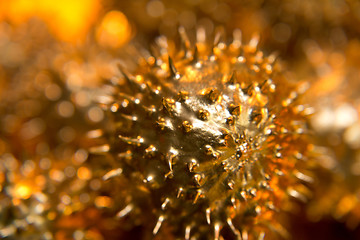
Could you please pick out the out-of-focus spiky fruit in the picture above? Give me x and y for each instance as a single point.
(211, 136)
(46, 185)
(337, 130)
(43, 171)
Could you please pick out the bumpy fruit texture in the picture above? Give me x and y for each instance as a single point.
(212, 137)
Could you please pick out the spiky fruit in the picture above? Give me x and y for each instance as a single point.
(211, 136)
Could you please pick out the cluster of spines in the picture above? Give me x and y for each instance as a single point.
(152, 100)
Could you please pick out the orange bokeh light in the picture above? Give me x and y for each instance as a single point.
(22, 191)
(114, 30)
(68, 20)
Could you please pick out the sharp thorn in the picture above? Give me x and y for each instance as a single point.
(233, 201)
(132, 141)
(216, 231)
(297, 195)
(232, 79)
(218, 36)
(237, 36)
(165, 203)
(112, 173)
(272, 57)
(187, 232)
(192, 165)
(233, 229)
(179, 192)
(208, 212)
(231, 184)
(134, 100)
(303, 177)
(196, 55)
(201, 35)
(254, 41)
(158, 225)
(198, 179)
(173, 72)
(243, 195)
(198, 194)
(126, 154)
(170, 174)
(128, 80)
(247, 89)
(100, 149)
(95, 133)
(129, 118)
(125, 211)
(184, 37)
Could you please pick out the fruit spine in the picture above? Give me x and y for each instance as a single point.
(211, 135)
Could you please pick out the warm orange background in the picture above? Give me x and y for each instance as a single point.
(68, 20)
